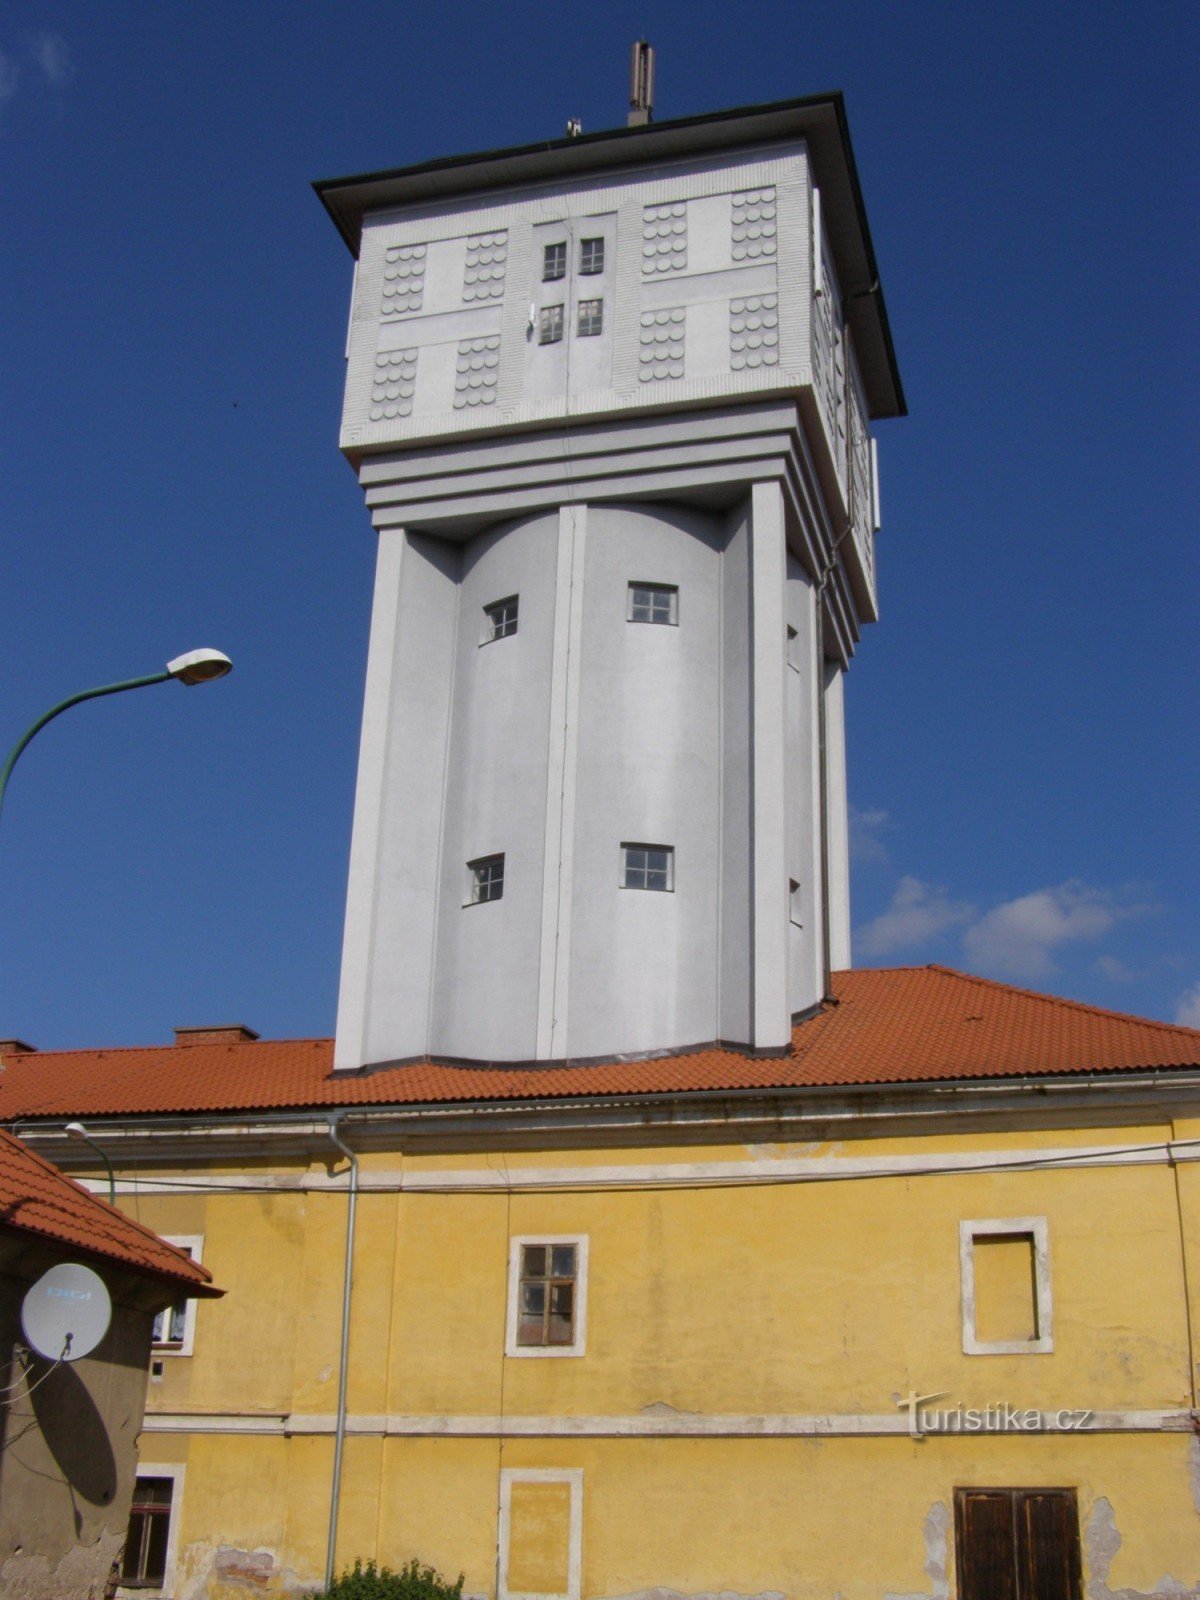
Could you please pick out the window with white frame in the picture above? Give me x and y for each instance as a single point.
(148, 1560)
(653, 602)
(1006, 1304)
(647, 866)
(591, 257)
(485, 879)
(175, 1327)
(500, 619)
(591, 319)
(547, 1295)
(550, 325)
(554, 262)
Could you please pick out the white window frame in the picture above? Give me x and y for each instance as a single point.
(671, 590)
(989, 1227)
(557, 245)
(473, 897)
(587, 268)
(644, 888)
(540, 1352)
(176, 1471)
(552, 330)
(573, 1476)
(193, 1243)
(595, 328)
(494, 612)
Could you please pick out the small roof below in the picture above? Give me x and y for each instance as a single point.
(819, 119)
(39, 1200)
(885, 1027)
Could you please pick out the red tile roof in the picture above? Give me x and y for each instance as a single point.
(36, 1198)
(891, 1026)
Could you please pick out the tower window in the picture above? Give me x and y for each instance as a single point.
(591, 258)
(499, 619)
(591, 318)
(550, 325)
(648, 866)
(485, 879)
(653, 602)
(554, 263)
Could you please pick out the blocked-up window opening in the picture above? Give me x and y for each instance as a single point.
(144, 1564)
(1006, 1308)
(539, 1539)
(1017, 1544)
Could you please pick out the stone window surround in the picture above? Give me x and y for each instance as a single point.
(573, 1476)
(1035, 1228)
(540, 1352)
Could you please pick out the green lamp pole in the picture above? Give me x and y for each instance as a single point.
(197, 666)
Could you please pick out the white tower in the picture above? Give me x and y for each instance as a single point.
(608, 399)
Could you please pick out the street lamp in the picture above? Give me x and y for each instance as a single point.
(196, 666)
(80, 1132)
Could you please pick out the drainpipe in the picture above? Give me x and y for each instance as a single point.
(339, 1438)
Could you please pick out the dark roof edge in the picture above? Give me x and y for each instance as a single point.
(593, 151)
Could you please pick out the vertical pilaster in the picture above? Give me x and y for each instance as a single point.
(769, 878)
(837, 841)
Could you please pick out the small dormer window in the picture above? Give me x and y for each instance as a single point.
(591, 256)
(499, 619)
(591, 318)
(550, 325)
(554, 263)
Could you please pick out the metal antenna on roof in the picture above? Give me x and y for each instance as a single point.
(641, 85)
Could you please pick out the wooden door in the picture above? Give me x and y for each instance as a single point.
(1017, 1544)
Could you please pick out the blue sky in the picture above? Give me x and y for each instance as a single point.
(1022, 722)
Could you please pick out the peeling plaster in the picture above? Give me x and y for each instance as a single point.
(660, 1408)
(1101, 1541)
(82, 1574)
(936, 1530)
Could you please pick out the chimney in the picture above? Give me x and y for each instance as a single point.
(16, 1047)
(223, 1033)
(641, 85)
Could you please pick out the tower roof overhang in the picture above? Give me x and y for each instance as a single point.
(820, 120)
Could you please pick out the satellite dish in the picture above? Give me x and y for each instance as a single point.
(66, 1313)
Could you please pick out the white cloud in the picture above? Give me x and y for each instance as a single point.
(865, 830)
(9, 77)
(1187, 1011)
(1016, 939)
(51, 54)
(918, 912)
(1114, 970)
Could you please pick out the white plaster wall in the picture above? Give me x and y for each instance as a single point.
(805, 946)
(838, 817)
(736, 931)
(485, 990)
(643, 963)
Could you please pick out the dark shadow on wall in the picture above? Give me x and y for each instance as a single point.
(73, 1430)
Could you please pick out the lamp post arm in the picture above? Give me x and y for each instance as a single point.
(65, 705)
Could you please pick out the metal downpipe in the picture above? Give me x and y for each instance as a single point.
(339, 1438)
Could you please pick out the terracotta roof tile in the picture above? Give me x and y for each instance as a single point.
(36, 1198)
(890, 1026)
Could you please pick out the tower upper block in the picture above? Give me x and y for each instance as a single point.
(609, 399)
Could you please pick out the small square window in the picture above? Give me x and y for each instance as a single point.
(591, 256)
(591, 318)
(653, 602)
(550, 325)
(485, 879)
(547, 1295)
(554, 263)
(499, 619)
(144, 1563)
(647, 866)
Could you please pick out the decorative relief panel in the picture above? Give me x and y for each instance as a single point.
(661, 353)
(477, 372)
(754, 332)
(403, 279)
(487, 254)
(664, 238)
(753, 216)
(395, 380)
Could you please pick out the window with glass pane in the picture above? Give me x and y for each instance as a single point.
(648, 866)
(554, 262)
(546, 1312)
(485, 879)
(550, 325)
(170, 1326)
(591, 256)
(144, 1563)
(591, 318)
(500, 619)
(653, 602)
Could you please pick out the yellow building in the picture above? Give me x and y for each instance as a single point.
(878, 1316)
